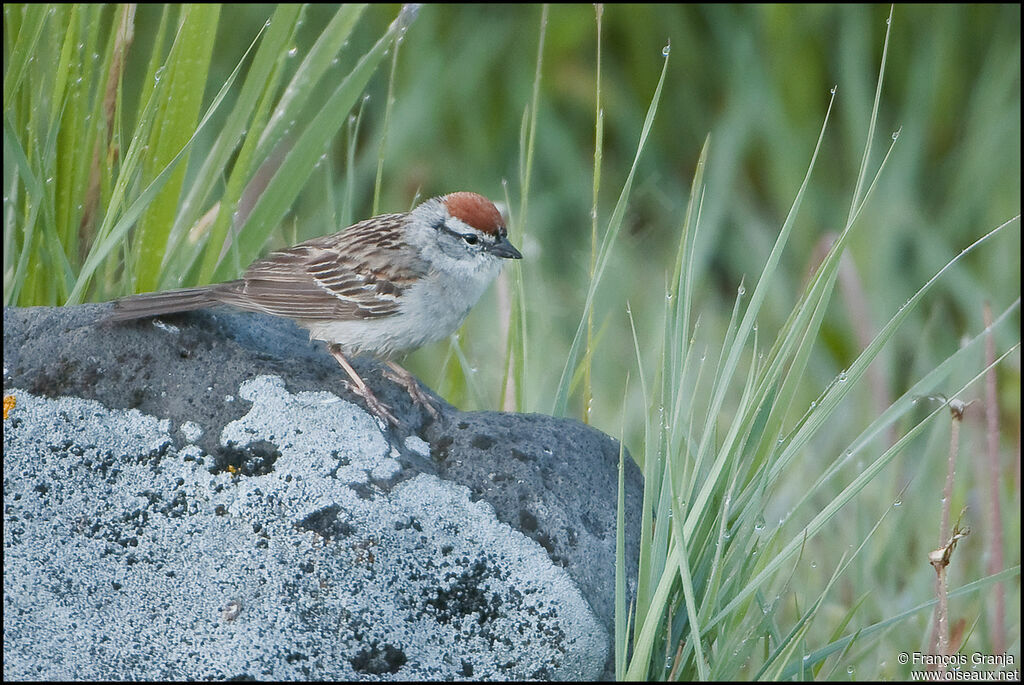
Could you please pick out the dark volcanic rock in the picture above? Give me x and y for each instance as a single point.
(197, 497)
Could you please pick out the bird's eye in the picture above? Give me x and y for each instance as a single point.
(469, 238)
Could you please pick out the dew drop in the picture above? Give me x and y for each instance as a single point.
(665, 50)
(741, 291)
(896, 133)
(833, 89)
(897, 503)
(841, 377)
(293, 52)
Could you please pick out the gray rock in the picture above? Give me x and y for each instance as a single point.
(200, 496)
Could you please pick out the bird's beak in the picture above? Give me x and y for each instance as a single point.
(504, 249)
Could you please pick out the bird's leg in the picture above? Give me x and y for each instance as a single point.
(412, 386)
(375, 406)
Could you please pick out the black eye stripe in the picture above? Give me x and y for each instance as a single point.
(470, 238)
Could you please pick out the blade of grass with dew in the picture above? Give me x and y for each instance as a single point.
(577, 378)
(83, 141)
(42, 273)
(859, 367)
(714, 584)
(29, 32)
(156, 61)
(186, 71)
(621, 635)
(801, 331)
(841, 568)
(561, 400)
(824, 279)
(865, 156)
(313, 67)
(65, 117)
(514, 333)
(696, 472)
(664, 562)
(59, 274)
(114, 227)
(516, 350)
(351, 138)
(899, 407)
(649, 467)
(301, 159)
(682, 281)
(680, 287)
(760, 292)
(249, 115)
(588, 391)
(389, 104)
(34, 199)
(687, 582)
(820, 655)
(830, 510)
(101, 160)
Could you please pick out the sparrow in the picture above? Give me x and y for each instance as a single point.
(383, 286)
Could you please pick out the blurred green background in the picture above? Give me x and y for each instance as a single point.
(758, 80)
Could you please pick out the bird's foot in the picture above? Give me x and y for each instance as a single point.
(405, 379)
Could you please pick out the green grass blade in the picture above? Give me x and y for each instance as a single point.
(304, 83)
(249, 114)
(561, 400)
(186, 72)
(301, 159)
(114, 228)
(838, 391)
(29, 31)
(621, 635)
(820, 655)
(760, 291)
(865, 157)
(830, 510)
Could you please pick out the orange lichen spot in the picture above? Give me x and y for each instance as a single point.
(232, 469)
(9, 403)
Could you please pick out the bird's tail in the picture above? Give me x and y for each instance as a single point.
(168, 302)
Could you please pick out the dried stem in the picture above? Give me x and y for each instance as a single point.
(995, 518)
(939, 558)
